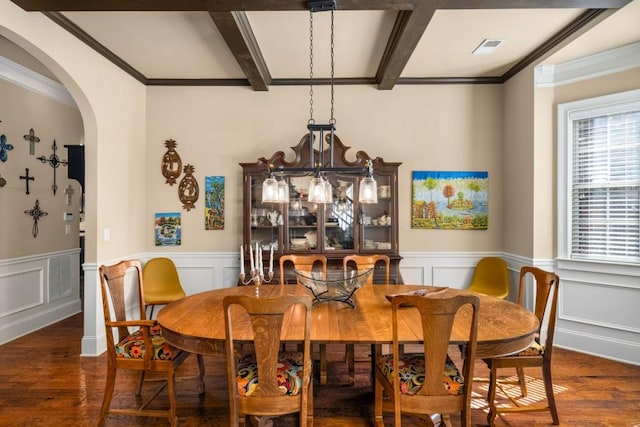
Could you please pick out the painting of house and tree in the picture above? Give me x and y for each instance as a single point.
(449, 200)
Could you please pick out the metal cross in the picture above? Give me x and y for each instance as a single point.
(36, 213)
(27, 178)
(32, 139)
(55, 162)
(69, 192)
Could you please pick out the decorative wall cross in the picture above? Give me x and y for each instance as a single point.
(54, 161)
(27, 178)
(3, 181)
(4, 147)
(69, 192)
(32, 139)
(36, 213)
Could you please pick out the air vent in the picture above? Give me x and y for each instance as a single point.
(488, 46)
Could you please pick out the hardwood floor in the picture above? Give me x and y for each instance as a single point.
(44, 382)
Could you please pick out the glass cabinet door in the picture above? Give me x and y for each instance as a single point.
(376, 219)
(339, 217)
(265, 218)
(302, 224)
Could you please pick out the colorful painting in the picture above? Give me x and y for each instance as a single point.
(168, 229)
(214, 203)
(449, 200)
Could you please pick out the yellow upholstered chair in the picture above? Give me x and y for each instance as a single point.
(136, 343)
(360, 263)
(538, 354)
(491, 277)
(269, 382)
(427, 383)
(161, 283)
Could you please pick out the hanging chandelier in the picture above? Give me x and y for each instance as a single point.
(321, 141)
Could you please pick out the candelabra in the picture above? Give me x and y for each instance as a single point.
(256, 271)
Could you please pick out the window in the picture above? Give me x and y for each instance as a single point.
(599, 176)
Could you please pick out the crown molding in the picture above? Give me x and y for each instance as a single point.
(600, 64)
(30, 80)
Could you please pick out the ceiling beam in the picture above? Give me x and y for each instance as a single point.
(406, 33)
(532, 4)
(236, 31)
(201, 5)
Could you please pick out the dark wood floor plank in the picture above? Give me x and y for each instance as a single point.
(45, 382)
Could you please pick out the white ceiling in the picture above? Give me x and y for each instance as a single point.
(188, 45)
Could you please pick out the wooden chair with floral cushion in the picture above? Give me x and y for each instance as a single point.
(308, 263)
(268, 382)
(130, 335)
(538, 354)
(363, 262)
(427, 383)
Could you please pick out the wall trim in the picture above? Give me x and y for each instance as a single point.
(35, 82)
(600, 64)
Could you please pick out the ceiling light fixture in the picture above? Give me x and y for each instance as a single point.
(321, 143)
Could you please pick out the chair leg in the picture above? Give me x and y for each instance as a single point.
(108, 394)
(548, 387)
(323, 364)
(521, 380)
(378, 404)
(140, 382)
(491, 394)
(171, 390)
(201, 387)
(351, 360)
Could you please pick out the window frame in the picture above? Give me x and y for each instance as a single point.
(567, 114)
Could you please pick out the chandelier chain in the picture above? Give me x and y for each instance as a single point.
(311, 120)
(332, 120)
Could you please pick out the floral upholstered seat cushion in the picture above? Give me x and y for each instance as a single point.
(132, 347)
(290, 365)
(411, 367)
(534, 349)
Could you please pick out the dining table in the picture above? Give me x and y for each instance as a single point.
(196, 323)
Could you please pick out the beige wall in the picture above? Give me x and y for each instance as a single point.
(112, 106)
(518, 166)
(455, 127)
(21, 110)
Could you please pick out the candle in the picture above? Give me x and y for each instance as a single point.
(258, 257)
(251, 259)
(271, 259)
(241, 260)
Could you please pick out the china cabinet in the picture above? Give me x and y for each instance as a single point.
(342, 227)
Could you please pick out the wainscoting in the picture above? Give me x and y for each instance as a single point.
(37, 291)
(596, 312)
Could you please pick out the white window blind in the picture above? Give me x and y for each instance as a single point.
(605, 184)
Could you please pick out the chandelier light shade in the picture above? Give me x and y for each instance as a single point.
(368, 190)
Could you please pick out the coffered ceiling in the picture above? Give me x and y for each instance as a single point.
(384, 43)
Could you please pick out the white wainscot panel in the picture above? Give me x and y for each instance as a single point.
(413, 275)
(21, 290)
(452, 276)
(601, 305)
(197, 279)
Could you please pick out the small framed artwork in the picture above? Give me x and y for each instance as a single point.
(214, 203)
(168, 229)
(449, 200)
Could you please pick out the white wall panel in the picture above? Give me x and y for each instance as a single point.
(21, 290)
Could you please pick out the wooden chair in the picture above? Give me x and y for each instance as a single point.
(161, 283)
(129, 350)
(363, 262)
(308, 263)
(538, 354)
(303, 263)
(269, 382)
(423, 384)
(491, 277)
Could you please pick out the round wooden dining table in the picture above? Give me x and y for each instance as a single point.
(196, 322)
